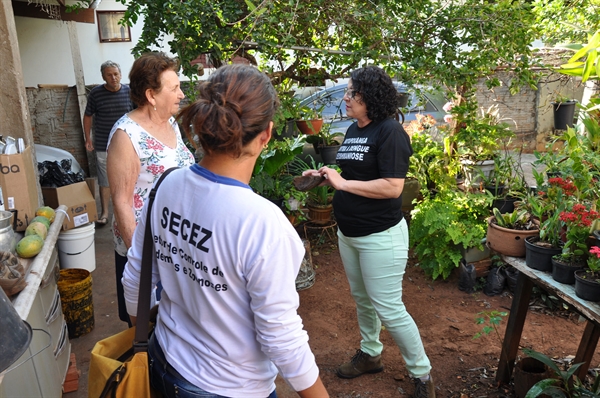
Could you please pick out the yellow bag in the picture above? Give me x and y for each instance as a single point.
(116, 371)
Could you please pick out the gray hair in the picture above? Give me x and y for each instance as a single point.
(109, 64)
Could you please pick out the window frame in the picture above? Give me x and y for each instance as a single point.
(103, 17)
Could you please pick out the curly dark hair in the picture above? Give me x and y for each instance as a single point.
(374, 87)
(145, 74)
(233, 106)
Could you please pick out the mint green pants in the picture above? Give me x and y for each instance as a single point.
(375, 266)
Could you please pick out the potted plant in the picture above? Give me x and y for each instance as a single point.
(546, 205)
(574, 252)
(309, 120)
(506, 232)
(587, 281)
(476, 138)
(271, 178)
(506, 182)
(441, 226)
(564, 111)
(559, 382)
(326, 143)
(319, 198)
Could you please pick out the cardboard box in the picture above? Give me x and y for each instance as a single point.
(91, 182)
(19, 186)
(81, 205)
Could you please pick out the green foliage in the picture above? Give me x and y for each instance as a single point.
(441, 225)
(430, 164)
(418, 41)
(493, 319)
(564, 384)
(479, 134)
(565, 21)
(518, 219)
(271, 178)
(584, 63)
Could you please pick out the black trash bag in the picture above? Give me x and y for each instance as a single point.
(55, 174)
(511, 278)
(496, 280)
(466, 283)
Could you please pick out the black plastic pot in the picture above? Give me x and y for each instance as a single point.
(328, 153)
(585, 287)
(539, 257)
(564, 273)
(505, 205)
(15, 333)
(563, 114)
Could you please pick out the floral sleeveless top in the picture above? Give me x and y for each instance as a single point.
(155, 158)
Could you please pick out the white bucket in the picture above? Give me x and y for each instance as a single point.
(76, 248)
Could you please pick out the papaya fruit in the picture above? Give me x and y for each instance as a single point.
(37, 228)
(47, 212)
(30, 246)
(41, 219)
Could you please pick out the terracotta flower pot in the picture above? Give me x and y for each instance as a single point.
(309, 127)
(510, 242)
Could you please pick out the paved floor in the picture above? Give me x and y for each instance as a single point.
(105, 307)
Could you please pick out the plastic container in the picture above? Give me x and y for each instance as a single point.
(75, 288)
(76, 248)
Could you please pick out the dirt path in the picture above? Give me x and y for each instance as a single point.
(462, 366)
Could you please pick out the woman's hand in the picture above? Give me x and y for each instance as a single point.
(332, 178)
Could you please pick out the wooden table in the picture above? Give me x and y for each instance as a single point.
(525, 281)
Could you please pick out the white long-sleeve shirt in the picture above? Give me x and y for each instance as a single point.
(227, 259)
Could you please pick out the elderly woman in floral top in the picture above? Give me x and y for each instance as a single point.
(142, 145)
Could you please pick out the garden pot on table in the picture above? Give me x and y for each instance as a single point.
(564, 272)
(510, 242)
(587, 287)
(538, 255)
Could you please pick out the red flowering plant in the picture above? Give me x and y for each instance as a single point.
(548, 205)
(578, 222)
(593, 262)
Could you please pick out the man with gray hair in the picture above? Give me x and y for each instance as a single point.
(105, 105)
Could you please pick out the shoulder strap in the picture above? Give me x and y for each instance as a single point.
(143, 313)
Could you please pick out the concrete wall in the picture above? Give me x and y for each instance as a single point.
(46, 53)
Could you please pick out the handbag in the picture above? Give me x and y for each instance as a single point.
(119, 363)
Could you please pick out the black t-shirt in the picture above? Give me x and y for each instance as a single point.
(379, 150)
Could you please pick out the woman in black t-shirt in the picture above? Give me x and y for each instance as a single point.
(373, 235)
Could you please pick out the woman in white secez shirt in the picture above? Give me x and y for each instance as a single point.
(227, 258)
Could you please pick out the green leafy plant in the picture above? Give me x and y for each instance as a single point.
(443, 224)
(431, 165)
(271, 178)
(479, 134)
(578, 222)
(490, 320)
(565, 384)
(518, 219)
(321, 195)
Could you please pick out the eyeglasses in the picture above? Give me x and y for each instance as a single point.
(350, 93)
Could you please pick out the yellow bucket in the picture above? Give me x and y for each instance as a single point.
(75, 288)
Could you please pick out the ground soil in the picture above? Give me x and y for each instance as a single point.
(462, 366)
